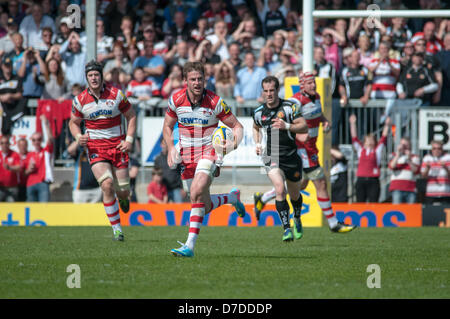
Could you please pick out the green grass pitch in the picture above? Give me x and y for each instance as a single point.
(230, 262)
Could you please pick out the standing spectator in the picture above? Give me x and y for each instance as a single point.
(9, 170)
(248, 28)
(202, 30)
(338, 176)
(32, 25)
(220, 40)
(248, 80)
(7, 43)
(417, 82)
(444, 60)
(29, 69)
(39, 166)
(153, 65)
(385, 72)
(179, 54)
(171, 177)
(225, 79)
(205, 54)
(156, 190)
(235, 56)
(132, 52)
(74, 57)
(54, 82)
(85, 185)
(216, 12)
(436, 169)
(63, 30)
(149, 34)
(433, 44)
(47, 42)
(104, 43)
(405, 59)
(404, 166)
(22, 145)
(210, 80)
(323, 68)
(180, 30)
(115, 11)
(174, 81)
(17, 53)
(366, 54)
(126, 36)
(13, 105)
(333, 42)
(369, 161)
(272, 15)
(399, 32)
(15, 12)
(355, 81)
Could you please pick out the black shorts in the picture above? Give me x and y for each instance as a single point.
(290, 165)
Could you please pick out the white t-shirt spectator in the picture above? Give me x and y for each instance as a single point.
(32, 34)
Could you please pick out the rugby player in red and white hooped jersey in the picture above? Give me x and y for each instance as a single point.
(309, 101)
(108, 143)
(198, 112)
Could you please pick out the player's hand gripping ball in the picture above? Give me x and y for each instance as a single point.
(223, 140)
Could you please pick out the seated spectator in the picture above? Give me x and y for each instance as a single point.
(156, 190)
(248, 80)
(75, 60)
(6, 42)
(404, 166)
(205, 54)
(54, 81)
(436, 169)
(433, 44)
(9, 170)
(153, 65)
(29, 69)
(248, 28)
(225, 79)
(417, 82)
(385, 73)
(399, 32)
(119, 61)
(366, 54)
(338, 176)
(13, 105)
(220, 40)
(32, 25)
(272, 15)
(369, 161)
(202, 30)
(217, 11)
(150, 16)
(85, 185)
(210, 80)
(174, 82)
(267, 60)
(444, 60)
(159, 47)
(180, 30)
(39, 166)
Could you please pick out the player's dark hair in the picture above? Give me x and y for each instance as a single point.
(270, 79)
(193, 66)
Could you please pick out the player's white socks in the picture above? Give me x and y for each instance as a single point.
(195, 222)
(325, 205)
(268, 196)
(218, 200)
(112, 211)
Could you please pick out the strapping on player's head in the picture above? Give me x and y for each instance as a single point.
(93, 66)
(307, 82)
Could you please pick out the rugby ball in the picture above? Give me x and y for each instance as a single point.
(219, 136)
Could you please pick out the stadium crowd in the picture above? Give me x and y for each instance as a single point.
(143, 46)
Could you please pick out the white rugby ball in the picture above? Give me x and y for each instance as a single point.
(219, 136)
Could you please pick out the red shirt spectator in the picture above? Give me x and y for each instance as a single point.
(434, 44)
(404, 166)
(156, 190)
(218, 11)
(8, 175)
(42, 160)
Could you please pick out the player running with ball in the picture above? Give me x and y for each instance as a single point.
(198, 112)
(281, 120)
(311, 109)
(101, 107)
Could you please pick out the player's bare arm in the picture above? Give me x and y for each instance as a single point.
(75, 130)
(126, 146)
(169, 123)
(257, 137)
(298, 126)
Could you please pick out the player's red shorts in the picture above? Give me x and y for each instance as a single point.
(112, 155)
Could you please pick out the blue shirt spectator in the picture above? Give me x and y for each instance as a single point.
(153, 65)
(29, 69)
(248, 86)
(75, 58)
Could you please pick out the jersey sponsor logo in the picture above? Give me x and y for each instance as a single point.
(109, 103)
(225, 107)
(93, 156)
(124, 98)
(94, 115)
(193, 120)
(280, 115)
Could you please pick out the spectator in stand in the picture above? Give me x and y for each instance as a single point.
(39, 166)
(153, 65)
(117, 79)
(225, 79)
(174, 81)
(22, 145)
(104, 42)
(369, 154)
(444, 60)
(202, 30)
(248, 28)
(436, 169)
(85, 185)
(172, 7)
(54, 82)
(216, 13)
(417, 82)
(61, 12)
(359, 27)
(115, 11)
(13, 105)
(15, 12)
(75, 59)
(366, 54)
(248, 84)
(29, 69)
(180, 30)
(235, 56)
(405, 59)
(267, 61)
(333, 42)
(171, 177)
(6, 42)
(132, 52)
(323, 68)
(150, 16)
(149, 35)
(47, 43)
(272, 15)
(220, 40)
(179, 54)
(9, 170)
(63, 30)
(399, 32)
(17, 53)
(119, 61)
(385, 73)
(156, 190)
(205, 54)
(126, 36)
(32, 25)
(210, 80)
(433, 44)
(404, 166)
(338, 176)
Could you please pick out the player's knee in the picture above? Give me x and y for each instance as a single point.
(107, 186)
(122, 187)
